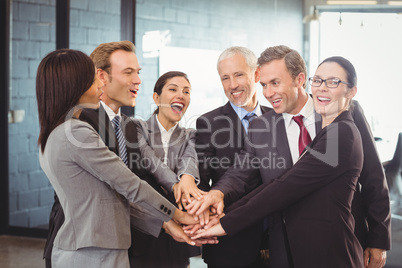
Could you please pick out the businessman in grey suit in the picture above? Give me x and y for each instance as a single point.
(370, 205)
(118, 68)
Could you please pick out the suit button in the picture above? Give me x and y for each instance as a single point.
(165, 209)
(169, 212)
(162, 207)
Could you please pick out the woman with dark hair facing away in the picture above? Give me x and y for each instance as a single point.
(174, 146)
(315, 195)
(93, 184)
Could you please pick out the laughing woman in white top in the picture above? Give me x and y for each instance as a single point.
(174, 146)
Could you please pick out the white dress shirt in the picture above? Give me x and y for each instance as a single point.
(110, 112)
(293, 129)
(241, 113)
(165, 137)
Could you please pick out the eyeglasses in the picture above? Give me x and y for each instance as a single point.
(330, 82)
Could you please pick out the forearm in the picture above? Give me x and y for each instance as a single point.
(145, 221)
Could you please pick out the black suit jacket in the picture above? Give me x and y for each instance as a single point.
(370, 205)
(315, 195)
(219, 138)
(99, 120)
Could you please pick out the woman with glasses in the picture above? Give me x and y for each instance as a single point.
(316, 193)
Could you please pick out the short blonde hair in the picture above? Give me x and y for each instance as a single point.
(293, 60)
(101, 54)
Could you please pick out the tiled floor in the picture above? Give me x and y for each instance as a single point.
(23, 252)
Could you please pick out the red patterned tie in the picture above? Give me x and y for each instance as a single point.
(304, 137)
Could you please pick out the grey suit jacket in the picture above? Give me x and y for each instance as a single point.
(181, 159)
(94, 187)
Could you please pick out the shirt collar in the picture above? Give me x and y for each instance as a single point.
(162, 128)
(241, 112)
(109, 111)
(307, 112)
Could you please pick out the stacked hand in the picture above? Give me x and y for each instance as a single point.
(200, 224)
(186, 190)
(210, 230)
(212, 203)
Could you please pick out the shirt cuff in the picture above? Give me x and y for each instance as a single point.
(197, 181)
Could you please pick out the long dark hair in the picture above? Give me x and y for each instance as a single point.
(161, 82)
(63, 77)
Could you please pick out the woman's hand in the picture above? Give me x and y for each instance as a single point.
(185, 189)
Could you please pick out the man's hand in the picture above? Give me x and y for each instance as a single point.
(192, 228)
(175, 231)
(183, 217)
(213, 231)
(185, 189)
(202, 241)
(374, 257)
(195, 228)
(213, 199)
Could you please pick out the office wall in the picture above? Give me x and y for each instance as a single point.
(93, 22)
(33, 35)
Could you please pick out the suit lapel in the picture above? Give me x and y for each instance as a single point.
(237, 125)
(130, 133)
(106, 130)
(99, 120)
(155, 137)
(174, 146)
(281, 143)
(265, 109)
(318, 123)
